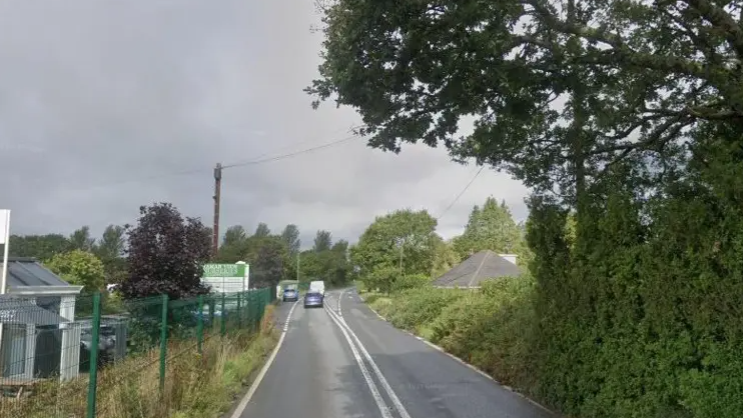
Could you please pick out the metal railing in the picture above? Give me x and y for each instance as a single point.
(80, 356)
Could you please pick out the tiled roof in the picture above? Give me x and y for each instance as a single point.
(480, 266)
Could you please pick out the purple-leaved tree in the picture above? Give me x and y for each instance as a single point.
(166, 254)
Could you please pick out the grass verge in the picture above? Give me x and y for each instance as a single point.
(196, 386)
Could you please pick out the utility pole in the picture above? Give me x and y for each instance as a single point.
(217, 198)
(298, 253)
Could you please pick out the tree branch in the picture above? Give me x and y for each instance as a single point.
(722, 20)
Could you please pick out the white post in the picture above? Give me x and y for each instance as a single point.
(5, 223)
(30, 362)
(70, 358)
(5, 240)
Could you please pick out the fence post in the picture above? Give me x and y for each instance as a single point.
(94, 342)
(211, 313)
(163, 340)
(254, 311)
(222, 324)
(200, 325)
(239, 312)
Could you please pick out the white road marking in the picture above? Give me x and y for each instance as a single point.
(385, 384)
(246, 399)
(289, 317)
(381, 404)
(338, 309)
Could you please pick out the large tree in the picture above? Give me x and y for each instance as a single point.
(81, 239)
(268, 257)
(490, 227)
(323, 241)
(404, 239)
(632, 78)
(166, 254)
(80, 268)
(262, 230)
(290, 235)
(110, 249)
(234, 246)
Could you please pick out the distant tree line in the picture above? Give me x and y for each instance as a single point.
(163, 253)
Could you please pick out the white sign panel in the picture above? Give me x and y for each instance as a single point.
(225, 284)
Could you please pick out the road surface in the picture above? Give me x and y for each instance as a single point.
(342, 361)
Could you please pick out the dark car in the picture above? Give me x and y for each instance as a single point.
(313, 300)
(290, 294)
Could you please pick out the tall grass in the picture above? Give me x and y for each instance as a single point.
(197, 384)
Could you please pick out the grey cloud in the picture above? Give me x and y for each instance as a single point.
(106, 106)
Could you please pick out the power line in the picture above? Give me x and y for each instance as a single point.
(290, 155)
(453, 202)
(237, 164)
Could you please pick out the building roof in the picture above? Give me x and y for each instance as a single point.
(480, 266)
(27, 272)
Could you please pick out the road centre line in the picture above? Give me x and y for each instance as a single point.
(385, 384)
(378, 399)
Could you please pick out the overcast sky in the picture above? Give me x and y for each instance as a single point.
(103, 103)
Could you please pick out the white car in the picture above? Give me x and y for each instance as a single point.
(318, 286)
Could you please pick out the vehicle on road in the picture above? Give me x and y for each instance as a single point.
(317, 286)
(313, 299)
(291, 294)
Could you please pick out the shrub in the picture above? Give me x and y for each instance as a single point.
(415, 308)
(410, 281)
(492, 328)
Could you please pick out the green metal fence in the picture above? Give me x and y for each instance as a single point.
(84, 368)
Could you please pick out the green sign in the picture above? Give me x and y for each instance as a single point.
(224, 270)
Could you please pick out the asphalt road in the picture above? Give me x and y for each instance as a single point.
(345, 362)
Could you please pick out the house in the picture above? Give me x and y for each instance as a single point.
(478, 267)
(37, 313)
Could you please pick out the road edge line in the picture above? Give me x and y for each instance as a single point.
(464, 363)
(254, 386)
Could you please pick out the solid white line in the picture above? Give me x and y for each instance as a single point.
(246, 399)
(340, 312)
(381, 404)
(385, 384)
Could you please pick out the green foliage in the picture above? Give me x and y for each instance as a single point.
(110, 249)
(415, 308)
(262, 231)
(411, 281)
(492, 329)
(489, 228)
(444, 258)
(80, 268)
(290, 235)
(323, 241)
(235, 245)
(268, 257)
(403, 239)
(40, 247)
(81, 239)
(635, 218)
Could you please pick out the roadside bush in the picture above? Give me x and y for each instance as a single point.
(492, 328)
(415, 308)
(411, 281)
